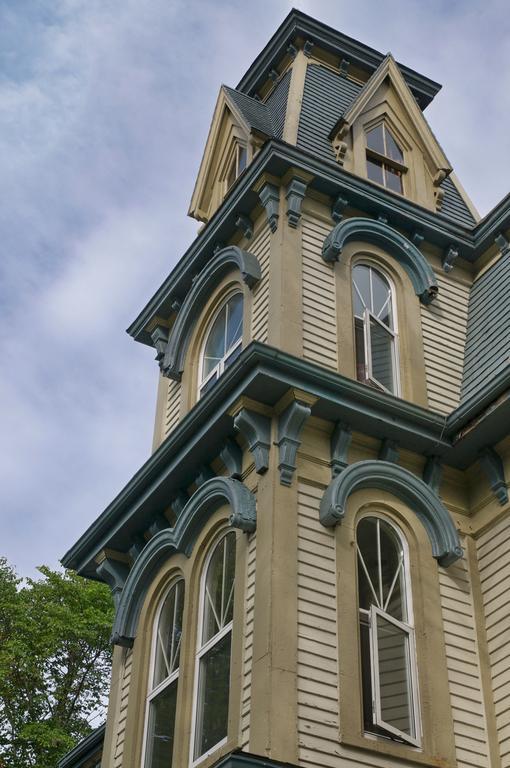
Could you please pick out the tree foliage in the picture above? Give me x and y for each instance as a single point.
(55, 658)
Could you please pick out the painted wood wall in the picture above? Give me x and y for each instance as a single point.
(120, 731)
(260, 247)
(494, 567)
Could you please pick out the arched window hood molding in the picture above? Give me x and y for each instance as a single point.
(206, 499)
(410, 489)
(377, 232)
(221, 262)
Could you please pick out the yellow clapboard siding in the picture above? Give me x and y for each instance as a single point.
(248, 643)
(173, 405)
(120, 731)
(260, 247)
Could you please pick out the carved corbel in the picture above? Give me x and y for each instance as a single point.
(439, 177)
(292, 51)
(337, 209)
(137, 544)
(219, 245)
(159, 336)
(232, 457)
(178, 502)
(256, 429)
(439, 193)
(432, 473)
(295, 194)
(340, 150)
(114, 573)
(417, 238)
(491, 463)
(389, 451)
(308, 47)
(273, 75)
(176, 305)
(340, 442)
(344, 67)
(502, 243)
(270, 198)
(449, 258)
(205, 473)
(243, 223)
(290, 425)
(159, 524)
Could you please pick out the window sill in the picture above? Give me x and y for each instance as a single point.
(396, 749)
(209, 759)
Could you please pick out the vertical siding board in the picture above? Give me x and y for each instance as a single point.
(248, 644)
(317, 681)
(493, 549)
(464, 679)
(259, 320)
(444, 338)
(121, 725)
(319, 298)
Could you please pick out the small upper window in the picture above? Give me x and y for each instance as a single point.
(385, 160)
(374, 329)
(223, 342)
(387, 647)
(237, 165)
(162, 694)
(213, 651)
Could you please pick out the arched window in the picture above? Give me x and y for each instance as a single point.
(375, 329)
(223, 342)
(162, 694)
(387, 644)
(385, 160)
(212, 674)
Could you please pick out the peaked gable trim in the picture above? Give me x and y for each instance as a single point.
(386, 476)
(389, 69)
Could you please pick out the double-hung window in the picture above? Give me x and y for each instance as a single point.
(385, 160)
(375, 329)
(162, 694)
(223, 342)
(387, 642)
(212, 673)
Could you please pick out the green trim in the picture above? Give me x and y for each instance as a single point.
(379, 233)
(290, 426)
(387, 476)
(180, 334)
(211, 495)
(89, 747)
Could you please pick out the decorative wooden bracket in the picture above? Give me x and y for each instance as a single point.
(340, 442)
(290, 425)
(232, 457)
(175, 304)
(114, 573)
(344, 67)
(270, 198)
(417, 238)
(273, 75)
(450, 257)
(491, 463)
(382, 218)
(389, 451)
(178, 502)
(337, 209)
(292, 51)
(432, 473)
(294, 194)
(256, 429)
(159, 336)
(308, 47)
(137, 544)
(218, 246)
(205, 473)
(243, 223)
(159, 524)
(502, 243)
(340, 149)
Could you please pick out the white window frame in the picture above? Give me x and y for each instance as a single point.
(408, 627)
(233, 162)
(393, 332)
(154, 692)
(219, 368)
(385, 160)
(202, 650)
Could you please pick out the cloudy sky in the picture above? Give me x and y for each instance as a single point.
(105, 107)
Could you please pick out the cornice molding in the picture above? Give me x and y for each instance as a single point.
(179, 336)
(211, 495)
(379, 233)
(410, 489)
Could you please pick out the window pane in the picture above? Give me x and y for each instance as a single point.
(393, 151)
(233, 355)
(242, 157)
(394, 682)
(209, 384)
(234, 320)
(361, 279)
(381, 353)
(231, 177)
(375, 139)
(392, 572)
(160, 731)
(215, 345)
(374, 171)
(382, 298)
(368, 570)
(393, 179)
(359, 339)
(219, 588)
(213, 691)
(366, 678)
(168, 635)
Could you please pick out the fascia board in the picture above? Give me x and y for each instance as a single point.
(83, 751)
(276, 157)
(297, 24)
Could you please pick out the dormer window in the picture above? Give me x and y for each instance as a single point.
(385, 159)
(237, 165)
